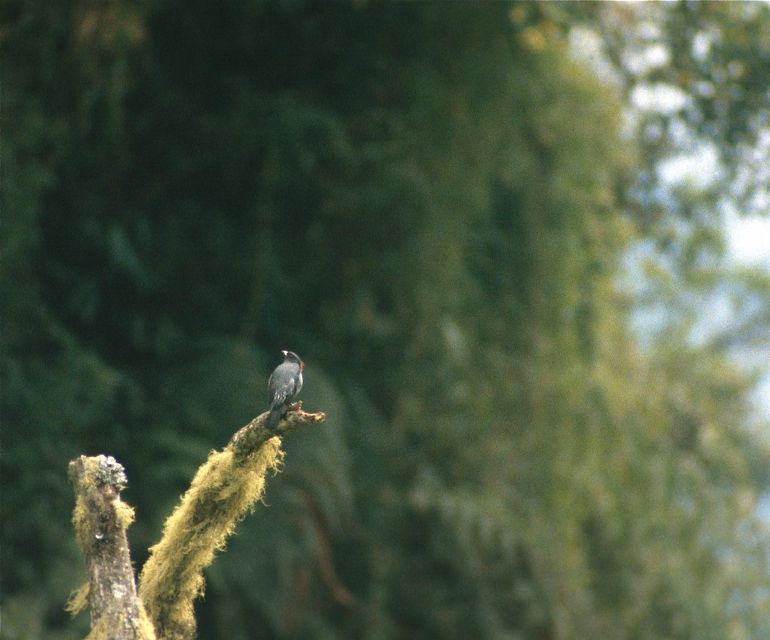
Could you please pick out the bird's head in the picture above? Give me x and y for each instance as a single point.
(290, 356)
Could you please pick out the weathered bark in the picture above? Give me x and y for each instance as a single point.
(248, 439)
(223, 490)
(101, 520)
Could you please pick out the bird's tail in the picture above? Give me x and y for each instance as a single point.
(274, 417)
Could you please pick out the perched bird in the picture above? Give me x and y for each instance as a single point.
(284, 385)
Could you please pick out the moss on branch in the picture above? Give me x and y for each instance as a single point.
(101, 519)
(224, 489)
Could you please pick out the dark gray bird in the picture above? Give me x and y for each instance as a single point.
(284, 385)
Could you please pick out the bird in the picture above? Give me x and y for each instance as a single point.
(283, 386)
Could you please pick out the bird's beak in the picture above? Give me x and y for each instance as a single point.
(285, 353)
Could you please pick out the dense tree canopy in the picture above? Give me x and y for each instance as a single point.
(431, 202)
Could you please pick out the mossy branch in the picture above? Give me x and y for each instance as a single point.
(101, 519)
(224, 489)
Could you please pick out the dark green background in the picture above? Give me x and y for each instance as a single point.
(430, 203)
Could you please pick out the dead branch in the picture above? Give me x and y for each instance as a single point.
(101, 520)
(224, 489)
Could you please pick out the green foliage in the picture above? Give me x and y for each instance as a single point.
(423, 200)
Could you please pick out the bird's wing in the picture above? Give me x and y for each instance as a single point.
(298, 383)
(284, 393)
(280, 395)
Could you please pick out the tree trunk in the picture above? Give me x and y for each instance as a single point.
(101, 520)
